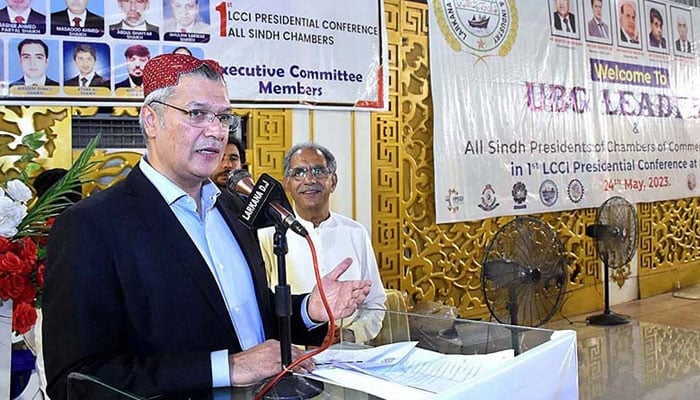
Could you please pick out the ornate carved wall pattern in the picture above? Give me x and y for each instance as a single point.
(670, 234)
(386, 167)
(17, 156)
(111, 168)
(269, 137)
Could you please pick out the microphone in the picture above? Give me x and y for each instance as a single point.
(239, 182)
(600, 231)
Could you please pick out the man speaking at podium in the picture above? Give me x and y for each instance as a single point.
(152, 286)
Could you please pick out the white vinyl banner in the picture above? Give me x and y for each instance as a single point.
(560, 104)
(306, 52)
(292, 53)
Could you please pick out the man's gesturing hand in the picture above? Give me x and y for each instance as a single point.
(343, 296)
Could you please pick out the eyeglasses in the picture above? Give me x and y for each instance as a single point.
(203, 118)
(300, 173)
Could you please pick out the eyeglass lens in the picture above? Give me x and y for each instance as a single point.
(202, 118)
(318, 172)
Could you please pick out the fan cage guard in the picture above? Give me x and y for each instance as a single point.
(524, 273)
(616, 244)
(616, 252)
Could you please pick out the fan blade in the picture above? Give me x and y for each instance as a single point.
(523, 274)
(503, 272)
(600, 231)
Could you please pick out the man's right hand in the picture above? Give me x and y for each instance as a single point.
(261, 362)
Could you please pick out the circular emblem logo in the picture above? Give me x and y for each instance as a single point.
(482, 26)
(519, 193)
(488, 198)
(548, 193)
(454, 200)
(575, 190)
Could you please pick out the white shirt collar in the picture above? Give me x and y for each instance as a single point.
(178, 27)
(29, 82)
(170, 191)
(88, 77)
(72, 16)
(139, 27)
(12, 14)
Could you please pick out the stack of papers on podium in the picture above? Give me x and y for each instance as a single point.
(402, 370)
(371, 357)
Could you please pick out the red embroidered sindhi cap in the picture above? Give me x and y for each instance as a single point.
(164, 70)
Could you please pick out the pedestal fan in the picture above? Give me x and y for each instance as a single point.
(615, 233)
(524, 273)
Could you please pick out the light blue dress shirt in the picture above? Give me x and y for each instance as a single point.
(219, 248)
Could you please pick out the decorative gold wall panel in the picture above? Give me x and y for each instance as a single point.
(269, 137)
(16, 122)
(669, 249)
(110, 168)
(443, 262)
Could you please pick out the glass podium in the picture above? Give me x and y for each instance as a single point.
(544, 365)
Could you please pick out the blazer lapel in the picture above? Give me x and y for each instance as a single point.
(169, 235)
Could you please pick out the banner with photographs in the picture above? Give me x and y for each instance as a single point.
(561, 104)
(292, 53)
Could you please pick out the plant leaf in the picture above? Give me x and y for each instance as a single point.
(54, 199)
(34, 140)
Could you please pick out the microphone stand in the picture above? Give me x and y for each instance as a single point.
(290, 386)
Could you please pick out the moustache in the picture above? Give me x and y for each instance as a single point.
(311, 186)
(215, 146)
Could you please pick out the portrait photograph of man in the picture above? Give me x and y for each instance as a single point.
(187, 19)
(33, 56)
(77, 18)
(598, 21)
(563, 18)
(86, 67)
(129, 74)
(33, 67)
(628, 15)
(682, 32)
(25, 15)
(133, 19)
(657, 28)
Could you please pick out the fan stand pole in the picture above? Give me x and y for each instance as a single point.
(514, 331)
(607, 317)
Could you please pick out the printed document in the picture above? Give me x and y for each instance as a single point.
(403, 368)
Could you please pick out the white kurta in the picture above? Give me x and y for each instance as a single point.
(336, 238)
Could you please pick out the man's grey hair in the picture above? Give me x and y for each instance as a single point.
(330, 158)
(163, 94)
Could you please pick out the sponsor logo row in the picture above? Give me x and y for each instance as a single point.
(548, 191)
